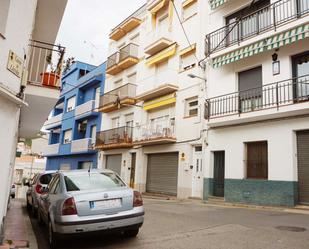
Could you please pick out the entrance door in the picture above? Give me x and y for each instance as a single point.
(132, 174)
(303, 166)
(113, 162)
(219, 158)
(197, 173)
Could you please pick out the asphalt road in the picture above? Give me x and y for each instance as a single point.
(190, 224)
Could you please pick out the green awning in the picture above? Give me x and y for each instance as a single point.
(273, 42)
(216, 3)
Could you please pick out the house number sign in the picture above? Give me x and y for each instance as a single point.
(15, 64)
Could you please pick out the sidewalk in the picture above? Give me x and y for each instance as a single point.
(18, 229)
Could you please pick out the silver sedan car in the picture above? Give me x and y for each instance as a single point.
(80, 201)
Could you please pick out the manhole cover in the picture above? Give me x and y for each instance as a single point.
(291, 229)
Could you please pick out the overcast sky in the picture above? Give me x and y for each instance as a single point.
(86, 25)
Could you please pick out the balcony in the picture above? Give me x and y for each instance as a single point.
(271, 101)
(265, 19)
(85, 110)
(158, 92)
(125, 58)
(81, 145)
(155, 133)
(53, 122)
(118, 98)
(51, 149)
(42, 81)
(127, 25)
(116, 138)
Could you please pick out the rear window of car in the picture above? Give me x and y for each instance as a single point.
(92, 181)
(45, 179)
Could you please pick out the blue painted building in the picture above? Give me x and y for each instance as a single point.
(74, 120)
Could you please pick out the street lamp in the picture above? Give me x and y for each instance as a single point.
(195, 76)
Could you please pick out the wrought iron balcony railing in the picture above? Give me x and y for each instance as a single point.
(116, 96)
(45, 64)
(264, 19)
(114, 138)
(130, 50)
(274, 95)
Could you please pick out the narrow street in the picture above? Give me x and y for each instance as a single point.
(189, 224)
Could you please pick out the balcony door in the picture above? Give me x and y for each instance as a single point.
(250, 89)
(301, 77)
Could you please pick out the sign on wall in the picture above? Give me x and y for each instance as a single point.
(15, 64)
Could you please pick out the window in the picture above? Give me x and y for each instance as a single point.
(71, 104)
(300, 73)
(163, 21)
(118, 83)
(84, 165)
(67, 136)
(129, 119)
(135, 38)
(187, 62)
(257, 160)
(250, 89)
(115, 122)
(4, 12)
(132, 78)
(97, 97)
(191, 107)
(189, 11)
(65, 166)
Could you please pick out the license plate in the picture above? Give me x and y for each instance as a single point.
(105, 204)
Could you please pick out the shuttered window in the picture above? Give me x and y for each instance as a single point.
(257, 160)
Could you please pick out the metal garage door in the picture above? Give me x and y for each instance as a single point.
(303, 165)
(113, 162)
(162, 173)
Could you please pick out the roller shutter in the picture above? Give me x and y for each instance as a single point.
(162, 173)
(303, 166)
(113, 162)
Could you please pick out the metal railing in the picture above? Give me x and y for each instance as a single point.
(120, 135)
(262, 20)
(274, 95)
(45, 63)
(123, 92)
(130, 50)
(156, 130)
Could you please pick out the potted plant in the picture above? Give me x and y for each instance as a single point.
(51, 77)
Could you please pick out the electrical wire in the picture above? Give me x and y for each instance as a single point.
(183, 29)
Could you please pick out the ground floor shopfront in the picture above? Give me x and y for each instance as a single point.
(265, 163)
(173, 169)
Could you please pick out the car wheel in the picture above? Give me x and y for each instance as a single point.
(131, 233)
(52, 237)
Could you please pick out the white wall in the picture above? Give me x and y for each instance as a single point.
(19, 27)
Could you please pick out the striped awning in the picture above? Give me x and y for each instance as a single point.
(216, 3)
(273, 42)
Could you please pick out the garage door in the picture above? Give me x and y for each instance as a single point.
(113, 162)
(162, 172)
(303, 165)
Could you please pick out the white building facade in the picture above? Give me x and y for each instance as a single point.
(24, 99)
(257, 102)
(152, 126)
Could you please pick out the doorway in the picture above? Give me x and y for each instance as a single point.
(133, 166)
(219, 168)
(197, 173)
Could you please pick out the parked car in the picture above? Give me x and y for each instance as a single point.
(13, 191)
(36, 186)
(79, 202)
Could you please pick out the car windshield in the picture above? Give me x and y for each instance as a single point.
(92, 181)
